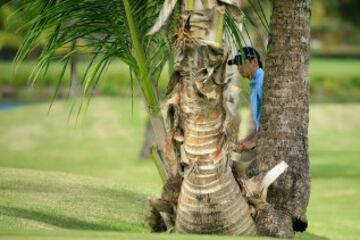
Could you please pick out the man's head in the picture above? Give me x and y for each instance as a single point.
(247, 60)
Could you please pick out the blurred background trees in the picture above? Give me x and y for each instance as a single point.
(335, 53)
(335, 27)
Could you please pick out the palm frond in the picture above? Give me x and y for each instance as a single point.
(136, 33)
(164, 16)
(104, 30)
(263, 12)
(3, 2)
(259, 11)
(233, 31)
(248, 35)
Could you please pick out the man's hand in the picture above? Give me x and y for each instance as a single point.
(248, 143)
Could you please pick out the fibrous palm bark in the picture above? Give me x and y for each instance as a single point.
(210, 199)
(284, 124)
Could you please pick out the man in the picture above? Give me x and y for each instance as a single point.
(250, 66)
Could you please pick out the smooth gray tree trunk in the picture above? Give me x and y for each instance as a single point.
(74, 78)
(148, 142)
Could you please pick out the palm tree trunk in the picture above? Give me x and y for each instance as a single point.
(285, 117)
(210, 199)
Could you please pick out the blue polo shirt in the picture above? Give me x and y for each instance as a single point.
(256, 85)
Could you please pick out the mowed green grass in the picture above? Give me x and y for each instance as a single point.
(67, 179)
(332, 67)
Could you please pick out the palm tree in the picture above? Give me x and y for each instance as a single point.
(195, 138)
(285, 118)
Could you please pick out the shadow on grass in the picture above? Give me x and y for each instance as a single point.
(63, 221)
(309, 236)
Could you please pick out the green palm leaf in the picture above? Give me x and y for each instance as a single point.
(105, 30)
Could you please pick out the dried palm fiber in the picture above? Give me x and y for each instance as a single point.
(163, 210)
(164, 16)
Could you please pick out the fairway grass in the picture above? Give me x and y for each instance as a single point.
(67, 179)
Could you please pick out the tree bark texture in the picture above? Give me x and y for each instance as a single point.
(210, 199)
(284, 119)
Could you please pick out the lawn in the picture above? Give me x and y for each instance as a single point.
(67, 179)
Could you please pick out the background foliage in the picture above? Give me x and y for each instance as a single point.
(335, 50)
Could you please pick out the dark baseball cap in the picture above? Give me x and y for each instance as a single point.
(245, 53)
